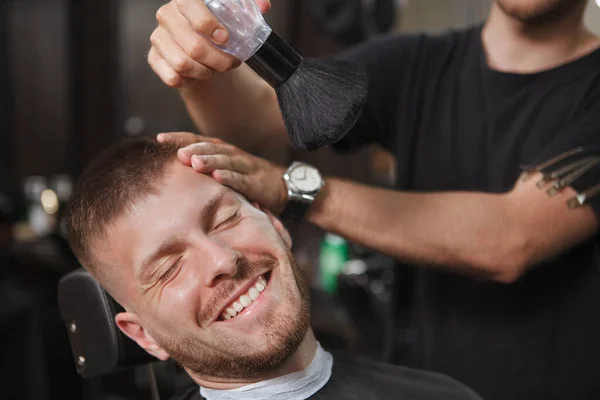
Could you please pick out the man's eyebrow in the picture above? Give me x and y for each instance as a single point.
(172, 243)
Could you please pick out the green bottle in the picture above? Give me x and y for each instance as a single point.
(333, 255)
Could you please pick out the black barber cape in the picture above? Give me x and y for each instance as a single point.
(354, 378)
(454, 124)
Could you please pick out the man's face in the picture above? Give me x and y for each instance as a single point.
(538, 11)
(191, 255)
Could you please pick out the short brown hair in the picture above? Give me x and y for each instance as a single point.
(122, 175)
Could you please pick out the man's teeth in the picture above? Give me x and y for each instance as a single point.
(246, 299)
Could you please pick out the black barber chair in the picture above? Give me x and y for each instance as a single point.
(99, 347)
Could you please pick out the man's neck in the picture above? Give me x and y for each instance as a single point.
(299, 361)
(519, 47)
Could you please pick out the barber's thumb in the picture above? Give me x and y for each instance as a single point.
(264, 5)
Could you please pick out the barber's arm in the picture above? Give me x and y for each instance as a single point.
(223, 98)
(496, 236)
(492, 236)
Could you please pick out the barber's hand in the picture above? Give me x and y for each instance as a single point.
(259, 180)
(182, 52)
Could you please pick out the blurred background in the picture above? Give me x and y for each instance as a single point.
(73, 80)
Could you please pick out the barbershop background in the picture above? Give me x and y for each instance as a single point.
(73, 80)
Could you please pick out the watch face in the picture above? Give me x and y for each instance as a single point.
(305, 178)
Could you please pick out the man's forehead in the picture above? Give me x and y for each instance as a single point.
(179, 186)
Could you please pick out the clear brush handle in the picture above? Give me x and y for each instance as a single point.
(245, 24)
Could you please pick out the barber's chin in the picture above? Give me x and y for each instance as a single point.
(263, 297)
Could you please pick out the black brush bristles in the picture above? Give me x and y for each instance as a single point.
(321, 101)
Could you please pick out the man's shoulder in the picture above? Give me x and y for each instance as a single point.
(370, 376)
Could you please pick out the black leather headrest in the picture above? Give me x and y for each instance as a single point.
(99, 347)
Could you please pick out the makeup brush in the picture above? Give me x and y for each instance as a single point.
(320, 98)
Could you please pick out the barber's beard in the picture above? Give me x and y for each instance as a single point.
(283, 333)
(546, 12)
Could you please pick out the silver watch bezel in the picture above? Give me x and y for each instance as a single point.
(293, 191)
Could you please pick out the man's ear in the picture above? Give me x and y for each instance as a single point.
(129, 324)
(283, 232)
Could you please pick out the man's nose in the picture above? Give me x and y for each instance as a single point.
(220, 263)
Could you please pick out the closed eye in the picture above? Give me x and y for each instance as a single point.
(169, 273)
(229, 221)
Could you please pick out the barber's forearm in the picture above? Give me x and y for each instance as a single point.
(238, 107)
(466, 232)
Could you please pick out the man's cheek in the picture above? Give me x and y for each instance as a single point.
(177, 302)
(266, 236)
(254, 229)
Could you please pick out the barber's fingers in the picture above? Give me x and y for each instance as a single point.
(208, 147)
(207, 164)
(205, 147)
(185, 138)
(166, 73)
(165, 47)
(181, 138)
(234, 180)
(185, 24)
(202, 20)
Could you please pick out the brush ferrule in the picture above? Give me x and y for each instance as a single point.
(276, 61)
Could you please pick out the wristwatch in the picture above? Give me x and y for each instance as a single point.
(303, 182)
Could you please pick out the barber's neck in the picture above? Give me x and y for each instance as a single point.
(518, 47)
(299, 361)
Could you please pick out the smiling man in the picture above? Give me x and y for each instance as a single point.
(208, 279)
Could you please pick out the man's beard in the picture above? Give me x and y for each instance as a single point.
(548, 12)
(283, 335)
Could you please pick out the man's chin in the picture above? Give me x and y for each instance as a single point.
(239, 356)
(246, 369)
(277, 347)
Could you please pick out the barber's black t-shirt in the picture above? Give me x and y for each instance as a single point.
(355, 378)
(454, 124)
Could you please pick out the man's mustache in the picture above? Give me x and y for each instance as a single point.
(245, 270)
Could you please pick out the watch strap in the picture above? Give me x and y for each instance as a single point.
(295, 210)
